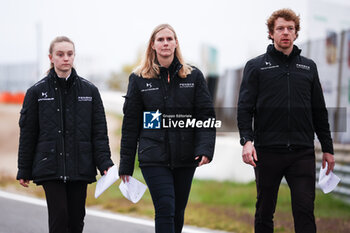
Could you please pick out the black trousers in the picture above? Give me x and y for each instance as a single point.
(169, 189)
(66, 206)
(298, 167)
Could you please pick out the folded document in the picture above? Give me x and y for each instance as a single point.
(106, 180)
(132, 190)
(327, 182)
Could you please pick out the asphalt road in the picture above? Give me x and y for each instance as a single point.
(22, 214)
(22, 217)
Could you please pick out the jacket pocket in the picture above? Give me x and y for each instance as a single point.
(45, 160)
(152, 148)
(187, 146)
(86, 162)
(126, 102)
(23, 117)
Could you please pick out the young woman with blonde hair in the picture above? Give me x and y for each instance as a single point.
(63, 138)
(165, 89)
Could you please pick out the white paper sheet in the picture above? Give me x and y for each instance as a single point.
(132, 190)
(106, 180)
(327, 182)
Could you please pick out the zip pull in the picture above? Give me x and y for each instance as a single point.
(168, 77)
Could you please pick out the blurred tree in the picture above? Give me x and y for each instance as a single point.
(119, 80)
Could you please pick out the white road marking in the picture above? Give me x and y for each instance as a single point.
(96, 213)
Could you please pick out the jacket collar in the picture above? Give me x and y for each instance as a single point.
(63, 83)
(274, 52)
(173, 69)
(52, 73)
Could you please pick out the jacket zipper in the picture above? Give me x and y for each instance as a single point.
(165, 93)
(62, 138)
(166, 138)
(288, 85)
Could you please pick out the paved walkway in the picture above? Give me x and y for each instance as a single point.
(23, 214)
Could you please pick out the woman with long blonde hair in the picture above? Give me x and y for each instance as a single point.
(165, 99)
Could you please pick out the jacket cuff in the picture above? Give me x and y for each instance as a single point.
(125, 171)
(207, 151)
(24, 174)
(328, 149)
(249, 137)
(104, 167)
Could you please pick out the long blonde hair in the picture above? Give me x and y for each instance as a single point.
(149, 67)
(59, 39)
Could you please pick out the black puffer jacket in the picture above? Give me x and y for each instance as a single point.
(63, 131)
(172, 146)
(284, 95)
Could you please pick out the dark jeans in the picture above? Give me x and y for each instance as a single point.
(66, 206)
(298, 167)
(169, 189)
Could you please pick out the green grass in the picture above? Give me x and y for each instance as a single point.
(221, 193)
(230, 206)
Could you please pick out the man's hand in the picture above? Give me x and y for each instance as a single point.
(329, 158)
(24, 183)
(249, 154)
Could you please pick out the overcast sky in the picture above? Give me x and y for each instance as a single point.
(109, 33)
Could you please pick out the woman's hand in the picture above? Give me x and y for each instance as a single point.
(24, 183)
(125, 178)
(105, 172)
(203, 161)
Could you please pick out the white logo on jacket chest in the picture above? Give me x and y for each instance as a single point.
(268, 65)
(85, 98)
(301, 66)
(149, 88)
(44, 97)
(186, 85)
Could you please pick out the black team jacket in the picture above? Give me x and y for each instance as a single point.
(284, 96)
(181, 99)
(63, 131)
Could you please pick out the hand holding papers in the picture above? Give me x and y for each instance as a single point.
(106, 180)
(132, 190)
(327, 182)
